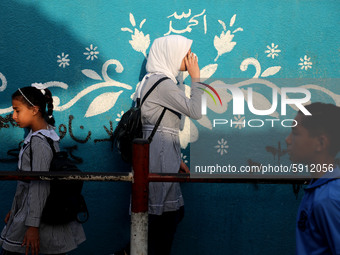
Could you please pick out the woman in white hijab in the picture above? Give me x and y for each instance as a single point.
(167, 57)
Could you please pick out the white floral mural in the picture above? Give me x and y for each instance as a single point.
(140, 42)
(305, 63)
(63, 60)
(272, 51)
(92, 55)
(224, 43)
(222, 146)
(91, 52)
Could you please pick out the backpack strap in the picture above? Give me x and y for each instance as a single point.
(31, 154)
(152, 88)
(156, 126)
(50, 142)
(163, 112)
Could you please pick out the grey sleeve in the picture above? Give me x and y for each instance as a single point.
(172, 97)
(38, 190)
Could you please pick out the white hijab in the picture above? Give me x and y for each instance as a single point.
(165, 57)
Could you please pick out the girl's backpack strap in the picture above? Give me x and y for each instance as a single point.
(50, 142)
(149, 92)
(157, 124)
(152, 88)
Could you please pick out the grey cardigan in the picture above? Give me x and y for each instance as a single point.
(165, 150)
(29, 201)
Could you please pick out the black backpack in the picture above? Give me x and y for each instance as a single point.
(65, 202)
(130, 127)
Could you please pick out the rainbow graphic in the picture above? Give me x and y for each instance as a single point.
(209, 93)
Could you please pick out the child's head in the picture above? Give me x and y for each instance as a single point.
(29, 102)
(316, 135)
(166, 55)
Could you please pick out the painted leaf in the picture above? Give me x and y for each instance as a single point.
(232, 20)
(208, 71)
(102, 103)
(91, 74)
(205, 122)
(142, 23)
(225, 96)
(223, 25)
(126, 29)
(237, 30)
(132, 20)
(271, 71)
(189, 134)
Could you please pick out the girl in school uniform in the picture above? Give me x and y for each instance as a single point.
(24, 232)
(167, 57)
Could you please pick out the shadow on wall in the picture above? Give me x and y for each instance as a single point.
(30, 43)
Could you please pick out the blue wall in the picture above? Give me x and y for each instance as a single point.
(91, 54)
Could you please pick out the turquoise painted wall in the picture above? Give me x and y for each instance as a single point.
(91, 54)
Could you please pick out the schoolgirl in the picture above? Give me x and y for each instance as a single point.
(167, 57)
(24, 232)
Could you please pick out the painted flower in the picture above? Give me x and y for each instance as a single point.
(272, 51)
(305, 64)
(239, 120)
(119, 115)
(224, 43)
(63, 60)
(91, 52)
(222, 146)
(184, 158)
(139, 42)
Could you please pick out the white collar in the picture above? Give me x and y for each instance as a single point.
(45, 132)
(141, 85)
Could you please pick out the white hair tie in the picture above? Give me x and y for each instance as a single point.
(39, 86)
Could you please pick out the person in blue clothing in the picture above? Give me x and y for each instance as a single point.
(314, 142)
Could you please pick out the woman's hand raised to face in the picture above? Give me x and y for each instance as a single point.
(192, 67)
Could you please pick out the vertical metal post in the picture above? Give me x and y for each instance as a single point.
(139, 203)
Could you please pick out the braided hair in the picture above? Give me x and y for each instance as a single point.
(32, 96)
(325, 119)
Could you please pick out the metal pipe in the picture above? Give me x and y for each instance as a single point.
(140, 197)
(68, 176)
(179, 177)
(128, 177)
(140, 178)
